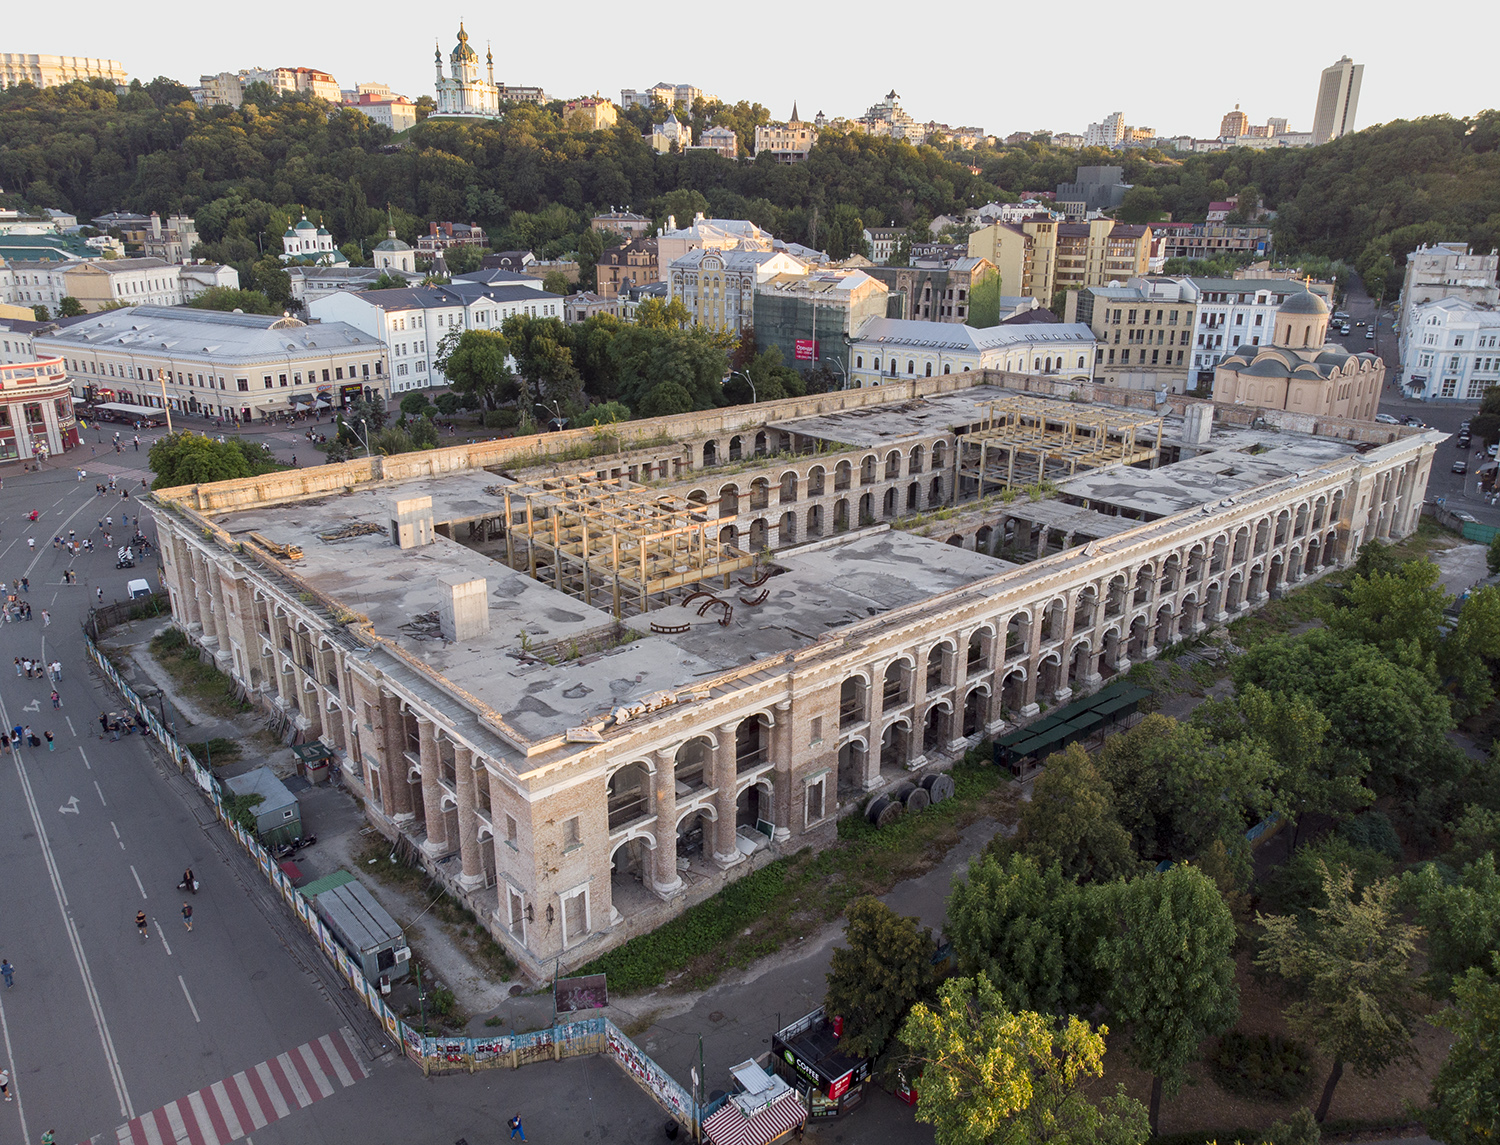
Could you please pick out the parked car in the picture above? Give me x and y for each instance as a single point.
(1413, 421)
(1460, 467)
(1491, 450)
(1344, 329)
(1369, 334)
(1463, 441)
(1340, 316)
(1387, 419)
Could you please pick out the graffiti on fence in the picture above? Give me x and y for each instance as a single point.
(651, 1076)
(490, 1049)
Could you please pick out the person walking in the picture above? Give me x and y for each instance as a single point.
(515, 1128)
(99, 595)
(140, 922)
(187, 916)
(56, 699)
(48, 736)
(8, 972)
(18, 665)
(46, 618)
(31, 544)
(25, 584)
(5, 1083)
(49, 1137)
(57, 671)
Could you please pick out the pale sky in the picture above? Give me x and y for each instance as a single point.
(1172, 66)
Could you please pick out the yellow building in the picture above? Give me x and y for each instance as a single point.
(1024, 253)
(1099, 252)
(52, 71)
(591, 114)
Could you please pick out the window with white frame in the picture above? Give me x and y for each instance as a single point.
(575, 915)
(814, 800)
(517, 908)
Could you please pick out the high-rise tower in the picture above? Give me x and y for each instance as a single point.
(1338, 97)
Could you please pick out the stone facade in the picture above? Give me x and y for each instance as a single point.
(568, 839)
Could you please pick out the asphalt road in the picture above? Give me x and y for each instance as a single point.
(103, 1025)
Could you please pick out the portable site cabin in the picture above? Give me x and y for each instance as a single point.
(362, 926)
(277, 816)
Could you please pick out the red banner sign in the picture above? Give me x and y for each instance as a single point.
(807, 350)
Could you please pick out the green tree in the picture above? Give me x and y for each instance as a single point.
(992, 1076)
(478, 371)
(413, 402)
(874, 980)
(1389, 716)
(1071, 821)
(984, 303)
(387, 281)
(654, 314)
(41, 313)
(192, 459)
(1398, 612)
(1311, 777)
(1350, 962)
(1469, 652)
(1170, 972)
(1031, 930)
(1466, 1091)
(69, 307)
(229, 299)
(556, 282)
(1140, 205)
(1462, 919)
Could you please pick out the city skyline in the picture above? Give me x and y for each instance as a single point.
(1022, 98)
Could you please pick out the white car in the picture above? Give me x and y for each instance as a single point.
(1387, 419)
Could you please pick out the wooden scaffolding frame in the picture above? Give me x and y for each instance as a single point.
(1022, 440)
(593, 536)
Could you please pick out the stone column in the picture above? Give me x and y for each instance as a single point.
(207, 635)
(390, 732)
(468, 819)
(917, 755)
(782, 750)
(432, 791)
(665, 881)
(725, 766)
(1029, 706)
(224, 657)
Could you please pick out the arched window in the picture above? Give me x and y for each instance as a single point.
(877, 365)
(859, 362)
(929, 369)
(911, 367)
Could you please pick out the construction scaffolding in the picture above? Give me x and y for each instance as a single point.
(599, 537)
(1024, 440)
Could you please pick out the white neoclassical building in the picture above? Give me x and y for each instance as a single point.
(590, 696)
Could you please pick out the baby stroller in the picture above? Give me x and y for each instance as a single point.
(125, 559)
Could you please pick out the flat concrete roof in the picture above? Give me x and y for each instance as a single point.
(825, 585)
(874, 426)
(1226, 467)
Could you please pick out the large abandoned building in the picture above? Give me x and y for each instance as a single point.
(593, 676)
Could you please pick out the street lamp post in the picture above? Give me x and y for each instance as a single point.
(843, 373)
(748, 382)
(366, 437)
(161, 377)
(556, 411)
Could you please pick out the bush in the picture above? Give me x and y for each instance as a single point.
(1373, 831)
(1264, 1067)
(501, 419)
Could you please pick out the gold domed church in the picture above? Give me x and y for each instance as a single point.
(465, 93)
(1300, 370)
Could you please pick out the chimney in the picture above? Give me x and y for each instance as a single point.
(448, 229)
(411, 521)
(432, 228)
(465, 609)
(1198, 423)
(155, 225)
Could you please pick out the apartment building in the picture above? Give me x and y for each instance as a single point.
(718, 286)
(1100, 251)
(1024, 253)
(1446, 270)
(635, 262)
(1452, 350)
(1214, 240)
(810, 317)
(53, 71)
(1144, 329)
(933, 293)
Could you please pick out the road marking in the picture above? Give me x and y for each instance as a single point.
(161, 933)
(54, 596)
(189, 998)
(138, 882)
(70, 807)
(86, 762)
(117, 835)
(101, 792)
(72, 729)
(96, 1006)
(10, 1060)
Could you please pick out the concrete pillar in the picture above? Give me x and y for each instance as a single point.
(468, 819)
(781, 755)
(390, 736)
(665, 881)
(726, 854)
(207, 635)
(224, 656)
(432, 790)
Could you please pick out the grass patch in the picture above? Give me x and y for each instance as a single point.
(217, 751)
(204, 683)
(792, 897)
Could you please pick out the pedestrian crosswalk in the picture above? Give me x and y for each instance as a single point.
(250, 1100)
